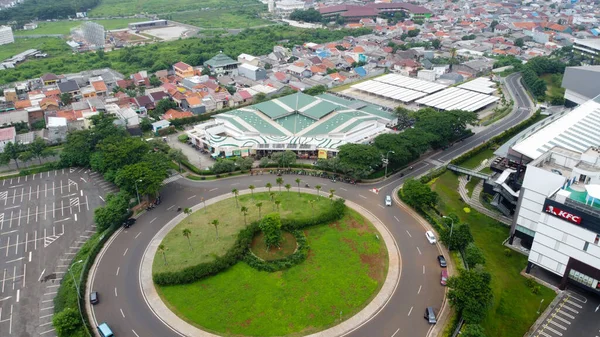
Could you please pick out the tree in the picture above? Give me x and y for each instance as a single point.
(39, 149)
(270, 225)
(472, 330)
(418, 195)
(284, 159)
(279, 182)
(309, 15)
(151, 174)
(113, 212)
(473, 255)
(66, 98)
(235, 193)
(318, 188)
(163, 106)
(461, 237)
(470, 293)
(436, 43)
(414, 32)
(269, 186)
(361, 159)
(298, 183)
(223, 166)
(154, 81)
(216, 223)
(251, 187)
(244, 211)
(244, 164)
(163, 250)
(259, 205)
(405, 117)
(311, 202)
(316, 90)
(146, 124)
(177, 156)
(277, 203)
(187, 233)
(519, 42)
(67, 322)
(287, 187)
(494, 24)
(272, 196)
(331, 191)
(13, 151)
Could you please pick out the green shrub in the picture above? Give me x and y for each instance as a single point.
(183, 138)
(275, 265)
(66, 322)
(507, 252)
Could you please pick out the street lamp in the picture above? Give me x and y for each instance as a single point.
(451, 227)
(78, 295)
(136, 190)
(540, 307)
(387, 162)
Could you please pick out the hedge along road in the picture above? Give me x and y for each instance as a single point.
(116, 274)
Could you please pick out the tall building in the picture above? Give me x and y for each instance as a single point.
(6, 35)
(576, 82)
(589, 49)
(94, 34)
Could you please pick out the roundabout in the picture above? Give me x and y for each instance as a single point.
(344, 272)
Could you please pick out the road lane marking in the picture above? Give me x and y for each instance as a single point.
(193, 196)
(418, 292)
(102, 199)
(138, 234)
(135, 333)
(381, 206)
(214, 189)
(362, 196)
(42, 274)
(151, 221)
(118, 268)
(411, 308)
(396, 332)
(423, 270)
(343, 189)
(397, 219)
(407, 232)
(168, 209)
(419, 251)
(125, 251)
(116, 292)
(122, 314)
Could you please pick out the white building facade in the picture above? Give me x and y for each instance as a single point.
(6, 35)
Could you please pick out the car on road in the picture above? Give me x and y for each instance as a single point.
(444, 277)
(430, 315)
(129, 222)
(442, 261)
(388, 200)
(430, 237)
(104, 330)
(94, 297)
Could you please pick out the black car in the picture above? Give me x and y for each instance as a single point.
(129, 222)
(442, 261)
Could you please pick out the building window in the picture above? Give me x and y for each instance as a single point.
(585, 246)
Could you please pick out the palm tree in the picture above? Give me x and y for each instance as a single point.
(287, 187)
(163, 249)
(251, 187)
(277, 203)
(187, 233)
(259, 205)
(312, 204)
(235, 194)
(279, 182)
(318, 187)
(331, 191)
(272, 195)
(298, 183)
(187, 211)
(268, 185)
(244, 210)
(215, 223)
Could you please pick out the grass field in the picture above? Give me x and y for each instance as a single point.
(50, 45)
(345, 268)
(477, 159)
(221, 18)
(64, 27)
(553, 83)
(109, 8)
(514, 306)
(203, 238)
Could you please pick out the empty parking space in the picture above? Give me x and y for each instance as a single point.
(44, 220)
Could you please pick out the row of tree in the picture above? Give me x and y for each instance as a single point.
(423, 130)
(41, 10)
(19, 152)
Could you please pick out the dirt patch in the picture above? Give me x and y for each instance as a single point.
(336, 226)
(375, 264)
(350, 243)
(361, 226)
(246, 323)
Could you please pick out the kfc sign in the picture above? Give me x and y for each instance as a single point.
(563, 214)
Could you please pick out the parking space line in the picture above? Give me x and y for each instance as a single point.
(17, 245)
(46, 316)
(26, 240)
(38, 192)
(34, 243)
(562, 319)
(411, 308)
(570, 309)
(30, 187)
(23, 192)
(419, 251)
(48, 308)
(138, 234)
(86, 202)
(574, 304)
(45, 332)
(36, 212)
(7, 246)
(116, 292)
(19, 221)
(28, 215)
(551, 329)
(4, 279)
(565, 314)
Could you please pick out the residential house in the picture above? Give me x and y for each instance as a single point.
(158, 95)
(7, 135)
(175, 114)
(10, 95)
(128, 117)
(144, 102)
(22, 104)
(57, 129)
(49, 79)
(141, 78)
(34, 114)
(194, 104)
(69, 87)
(88, 92)
(407, 67)
(99, 86)
(49, 104)
(74, 118)
(281, 77)
(242, 97)
(183, 70)
(252, 72)
(161, 124)
(222, 64)
(298, 71)
(249, 59)
(501, 29)
(13, 117)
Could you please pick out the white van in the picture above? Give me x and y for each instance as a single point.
(430, 237)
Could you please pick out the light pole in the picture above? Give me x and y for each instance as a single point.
(451, 227)
(136, 190)
(387, 162)
(78, 295)
(540, 307)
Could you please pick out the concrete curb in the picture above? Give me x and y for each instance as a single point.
(183, 328)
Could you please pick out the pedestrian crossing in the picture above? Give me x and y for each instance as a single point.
(171, 179)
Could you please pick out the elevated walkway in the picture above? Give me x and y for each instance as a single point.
(469, 172)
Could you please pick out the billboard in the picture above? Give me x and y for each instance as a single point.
(322, 154)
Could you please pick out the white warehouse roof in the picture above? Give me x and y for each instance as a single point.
(458, 99)
(481, 84)
(410, 83)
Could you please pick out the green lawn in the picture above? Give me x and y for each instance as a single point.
(203, 238)
(471, 185)
(132, 7)
(514, 306)
(477, 159)
(221, 18)
(553, 85)
(64, 27)
(50, 45)
(344, 270)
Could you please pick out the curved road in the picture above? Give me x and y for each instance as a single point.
(116, 278)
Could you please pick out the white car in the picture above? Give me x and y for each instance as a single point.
(430, 237)
(388, 200)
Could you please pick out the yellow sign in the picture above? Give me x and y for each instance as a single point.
(322, 154)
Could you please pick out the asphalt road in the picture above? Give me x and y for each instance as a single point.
(575, 315)
(44, 220)
(117, 275)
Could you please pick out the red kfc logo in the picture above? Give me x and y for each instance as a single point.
(563, 214)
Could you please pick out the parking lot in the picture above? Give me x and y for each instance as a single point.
(574, 316)
(44, 219)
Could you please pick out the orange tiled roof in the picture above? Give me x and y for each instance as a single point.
(359, 49)
(338, 76)
(524, 25)
(194, 100)
(70, 115)
(22, 104)
(174, 114)
(99, 86)
(52, 92)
